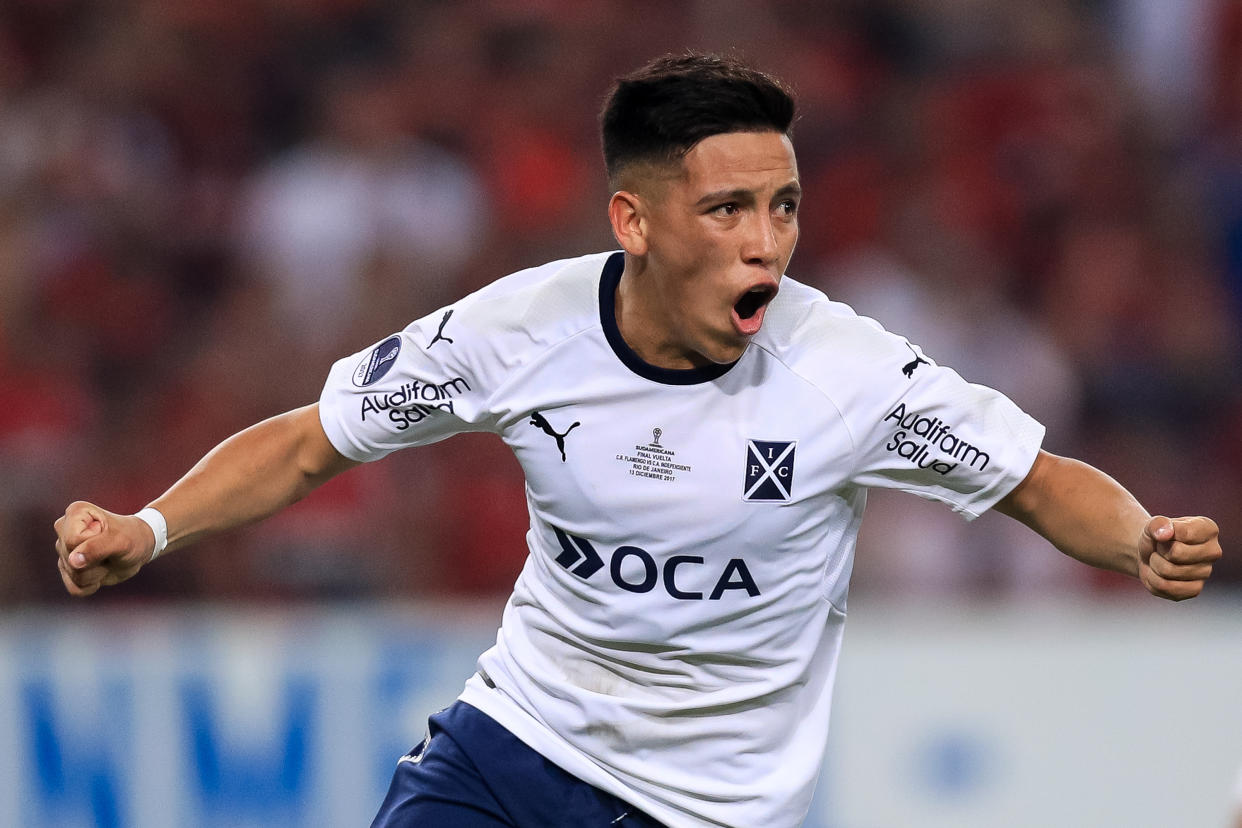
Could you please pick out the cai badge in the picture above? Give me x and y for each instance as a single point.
(769, 470)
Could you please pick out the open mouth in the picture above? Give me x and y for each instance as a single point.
(751, 302)
(749, 308)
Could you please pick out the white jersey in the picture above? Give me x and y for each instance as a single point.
(674, 633)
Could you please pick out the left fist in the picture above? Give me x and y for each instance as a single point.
(1176, 555)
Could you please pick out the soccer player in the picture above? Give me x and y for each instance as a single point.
(698, 433)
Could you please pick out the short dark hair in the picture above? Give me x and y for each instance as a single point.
(659, 112)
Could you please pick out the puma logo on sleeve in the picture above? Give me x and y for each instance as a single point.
(440, 333)
(908, 368)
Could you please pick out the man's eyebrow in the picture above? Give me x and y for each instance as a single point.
(745, 196)
(722, 196)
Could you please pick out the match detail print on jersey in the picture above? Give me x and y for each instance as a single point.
(654, 460)
(769, 470)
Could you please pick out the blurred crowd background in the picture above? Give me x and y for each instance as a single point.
(203, 203)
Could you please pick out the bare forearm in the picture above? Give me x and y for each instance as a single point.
(1081, 511)
(250, 476)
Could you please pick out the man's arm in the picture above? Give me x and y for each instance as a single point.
(1089, 516)
(248, 477)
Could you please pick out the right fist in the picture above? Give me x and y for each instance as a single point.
(95, 547)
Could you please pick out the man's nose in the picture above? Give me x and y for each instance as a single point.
(761, 244)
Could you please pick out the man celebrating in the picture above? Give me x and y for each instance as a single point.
(698, 433)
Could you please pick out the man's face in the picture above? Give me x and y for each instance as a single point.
(719, 236)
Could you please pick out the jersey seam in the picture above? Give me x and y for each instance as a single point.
(527, 365)
(508, 376)
(828, 397)
(854, 450)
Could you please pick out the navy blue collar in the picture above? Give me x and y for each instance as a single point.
(608, 282)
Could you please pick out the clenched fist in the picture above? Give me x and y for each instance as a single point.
(97, 548)
(1176, 555)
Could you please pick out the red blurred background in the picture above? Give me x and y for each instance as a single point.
(203, 204)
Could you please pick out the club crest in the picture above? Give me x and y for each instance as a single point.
(769, 470)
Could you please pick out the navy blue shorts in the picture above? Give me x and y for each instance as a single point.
(472, 773)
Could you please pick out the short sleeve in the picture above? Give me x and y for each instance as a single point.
(415, 387)
(930, 432)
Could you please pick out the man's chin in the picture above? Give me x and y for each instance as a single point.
(726, 353)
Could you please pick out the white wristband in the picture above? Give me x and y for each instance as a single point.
(159, 527)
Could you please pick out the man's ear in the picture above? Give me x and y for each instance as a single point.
(628, 215)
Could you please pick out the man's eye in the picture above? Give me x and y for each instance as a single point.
(787, 207)
(726, 210)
